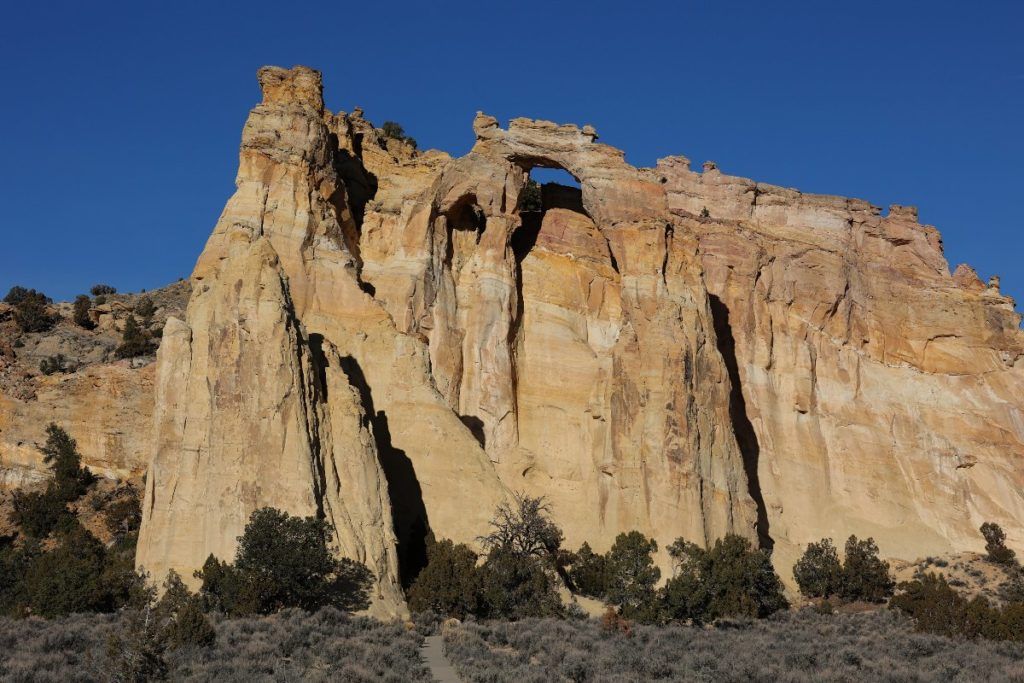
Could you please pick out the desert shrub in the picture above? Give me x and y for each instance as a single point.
(54, 364)
(134, 341)
(226, 589)
(865, 576)
(995, 544)
(523, 528)
(613, 622)
(1013, 589)
(290, 646)
(730, 579)
(80, 312)
(138, 650)
(530, 199)
(123, 515)
(284, 561)
(102, 290)
(145, 309)
(294, 645)
(818, 572)
(100, 300)
(14, 560)
(632, 576)
(32, 310)
(937, 608)
(396, 132)
(518, 586)
(60, 452)
(587, 572)
(38, 513)
(65, 579)
(450, 584)
(523, 551)
(16, 294)
(180, 616)
(789, 646)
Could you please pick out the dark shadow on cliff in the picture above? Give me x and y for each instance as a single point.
(407, 508)
(746, 437)
(319, 362)
(476, 427)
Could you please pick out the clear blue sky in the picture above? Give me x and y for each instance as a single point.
(121, 121)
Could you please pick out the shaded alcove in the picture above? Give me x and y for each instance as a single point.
(743, 428)
(466, 223)
(408, 511)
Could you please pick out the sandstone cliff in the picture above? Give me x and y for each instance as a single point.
(388, 339)
(882, 396)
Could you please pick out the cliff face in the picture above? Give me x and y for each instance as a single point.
(884, 396)
(569, 354)
(389, 339)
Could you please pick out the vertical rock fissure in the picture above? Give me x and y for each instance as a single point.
(407, 508)
(318, 364)
(522, 241)
(742, 427)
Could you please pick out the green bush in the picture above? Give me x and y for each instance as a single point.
(16, 294)
(102, 290)
(145, 309)
(995, 544)
(450, 584)
(180, 615)
(523, 554)
(32, 310)
(38, 513)
(80, 316)
(392, 130)
(530, 199)
(730, 579)
(14, 560)
(123, 516)
(518, 587)
(284, 561)
(134, 341)
(865, 576)
(67, 578)
(137, 651)
(818, 572)
(937, 608)
(631, 576)
(228, 590)
(60, 452)
(587, 572)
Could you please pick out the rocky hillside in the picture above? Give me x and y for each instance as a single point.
(70, 374)
(397, 340)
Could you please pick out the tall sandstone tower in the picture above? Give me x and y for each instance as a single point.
(388, 339)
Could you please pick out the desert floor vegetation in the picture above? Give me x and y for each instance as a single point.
(292, 645)
(801, 645)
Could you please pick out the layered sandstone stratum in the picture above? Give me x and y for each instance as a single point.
(385, 338)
